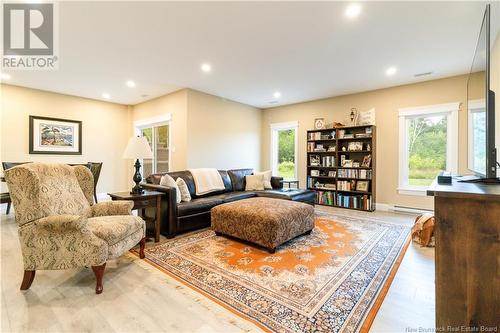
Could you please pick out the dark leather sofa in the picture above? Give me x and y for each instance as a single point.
(187, 216)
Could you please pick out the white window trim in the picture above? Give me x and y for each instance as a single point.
(448, 109)
(138, 125)
(472, 106)
(275, 127)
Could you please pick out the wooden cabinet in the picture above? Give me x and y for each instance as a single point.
(467, 255)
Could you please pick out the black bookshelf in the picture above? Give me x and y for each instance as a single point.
(335, 168)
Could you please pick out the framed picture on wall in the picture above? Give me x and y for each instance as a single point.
(55, 136)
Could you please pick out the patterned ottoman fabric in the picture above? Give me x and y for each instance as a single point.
(263, 221)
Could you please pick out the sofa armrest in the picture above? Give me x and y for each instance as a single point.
(170, 201)
(108, 208)
(60, 223)
(276, 182)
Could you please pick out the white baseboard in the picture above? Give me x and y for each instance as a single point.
(402, 209)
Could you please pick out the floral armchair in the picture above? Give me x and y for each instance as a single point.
(60, 227)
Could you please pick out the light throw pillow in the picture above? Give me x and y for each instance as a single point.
(267, 179)
(167, 180)
(254, 183)
(185, 195)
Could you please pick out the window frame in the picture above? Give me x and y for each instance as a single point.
(155, 122)
(275, 128)
(450, 110)
(473, 106)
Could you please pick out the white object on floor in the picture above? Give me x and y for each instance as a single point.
(207, 180)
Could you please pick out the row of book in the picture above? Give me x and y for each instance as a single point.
(316, 184)
(321, 135)
(343, 200)
(346, 185)
(353, 173)
(354, 201)
(325, 198)
(325, 161)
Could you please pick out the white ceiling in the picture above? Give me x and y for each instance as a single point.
(305, 50)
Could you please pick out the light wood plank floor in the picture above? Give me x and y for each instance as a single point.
(137, 297)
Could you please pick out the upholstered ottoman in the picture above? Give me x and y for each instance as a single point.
(264, 221)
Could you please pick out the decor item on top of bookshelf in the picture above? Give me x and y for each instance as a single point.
(362, 185)
(319, 123)
(367, 117)
(367, 160)
(353, 116)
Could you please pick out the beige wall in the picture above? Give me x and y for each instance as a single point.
(175, 105)
(386, 103)
(105, 131)
(221, 133)
(207, 130)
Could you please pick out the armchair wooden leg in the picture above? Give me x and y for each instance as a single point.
(142, 245)
(28, 278)
(99, 273)
(8, 208)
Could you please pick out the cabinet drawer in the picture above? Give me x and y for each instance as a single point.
(144, 203)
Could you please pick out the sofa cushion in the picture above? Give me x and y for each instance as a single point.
(188, 179)
(238, 178)
(233, 196)
(198, 205)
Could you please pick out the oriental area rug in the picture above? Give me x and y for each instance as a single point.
(332, 280)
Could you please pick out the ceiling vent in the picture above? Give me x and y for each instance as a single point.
(273, 102)
(423, 74)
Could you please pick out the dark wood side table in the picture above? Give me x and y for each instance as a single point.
(149, 199)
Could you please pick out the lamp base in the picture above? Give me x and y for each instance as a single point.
(137, 189)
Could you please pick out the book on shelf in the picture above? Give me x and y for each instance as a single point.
(353, 173)
(363, 201)
(346, 185)
(321, 135)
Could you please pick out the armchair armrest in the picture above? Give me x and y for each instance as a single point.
(108, 208)
(61, 222)
(276, 182)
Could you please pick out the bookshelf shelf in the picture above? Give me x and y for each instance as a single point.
(358, 182)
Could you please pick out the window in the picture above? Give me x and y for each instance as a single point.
(477, 136)
(157, 132)
(428, 138)
(284, 150)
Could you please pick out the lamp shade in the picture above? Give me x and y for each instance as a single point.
(137, 148)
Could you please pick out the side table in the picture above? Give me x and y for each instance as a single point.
(148, 199)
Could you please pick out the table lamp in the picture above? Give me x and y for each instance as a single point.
(137, 148)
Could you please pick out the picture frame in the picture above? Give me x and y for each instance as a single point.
(55, 136)
(362, 185)
(347, 163)
(314, 173)
(367, 160)
(355, 146)
(355, 164)
(319, 123)
(332, 173)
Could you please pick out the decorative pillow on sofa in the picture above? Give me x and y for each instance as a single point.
(254, 183)
(166, 180)
(183, 188)
(267, 179)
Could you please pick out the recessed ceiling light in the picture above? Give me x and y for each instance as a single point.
(391, 71)
(353, 10)
(5, 76)
(277, 94)
(206, 68)
(130, 83)
(106, 95)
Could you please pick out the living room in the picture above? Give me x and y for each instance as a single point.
(318, 130)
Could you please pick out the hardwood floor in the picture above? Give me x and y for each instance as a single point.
(137, 297)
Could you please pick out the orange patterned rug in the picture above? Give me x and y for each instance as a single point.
(329, 281)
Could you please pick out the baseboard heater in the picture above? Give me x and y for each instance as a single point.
(411, 210)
